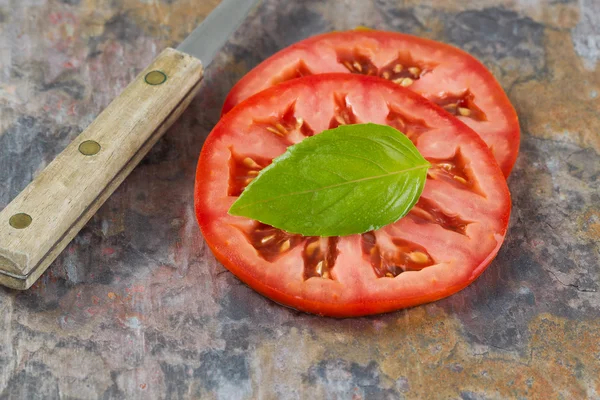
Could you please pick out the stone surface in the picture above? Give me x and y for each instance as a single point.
(137, 307)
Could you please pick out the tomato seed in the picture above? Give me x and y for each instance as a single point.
(415, 71)
(406, 82)
(281, 128)
(285, 246)
(418, 257)
(311, 247)
(460, 179)
(249, 162)
(273, 130)
(393, 260)
(465, 112)
(319, 268)
(267, 239)
(461, 104)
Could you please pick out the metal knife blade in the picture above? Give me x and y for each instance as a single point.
(206, 40)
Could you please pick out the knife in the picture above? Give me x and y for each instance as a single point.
(39, 223)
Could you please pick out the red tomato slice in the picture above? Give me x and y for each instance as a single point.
(441, 246)
(442, 73)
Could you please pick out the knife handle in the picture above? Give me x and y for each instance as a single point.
(39, 223)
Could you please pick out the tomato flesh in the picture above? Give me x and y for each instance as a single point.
(442, 245)
(441, 73)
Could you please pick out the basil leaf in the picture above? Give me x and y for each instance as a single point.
(347, 180)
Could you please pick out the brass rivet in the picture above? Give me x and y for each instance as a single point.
(155, 78)
(20, 221)
(89, 148)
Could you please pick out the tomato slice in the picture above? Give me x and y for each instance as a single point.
(442, 73)
(442, 245)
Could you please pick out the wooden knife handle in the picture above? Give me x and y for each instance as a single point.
(39, 223)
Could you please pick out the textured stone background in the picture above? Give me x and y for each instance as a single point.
(137, 307)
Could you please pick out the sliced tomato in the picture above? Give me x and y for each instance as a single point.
(442, 73)
(441, 246)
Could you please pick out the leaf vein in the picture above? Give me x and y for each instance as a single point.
(369, 178)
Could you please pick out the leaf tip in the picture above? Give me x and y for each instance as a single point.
(234, 209)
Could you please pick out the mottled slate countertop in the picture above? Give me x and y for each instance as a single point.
(137, 307)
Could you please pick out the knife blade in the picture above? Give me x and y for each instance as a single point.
(39, 223)
(208, 38)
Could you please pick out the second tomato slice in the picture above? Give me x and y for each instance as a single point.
(443, 74)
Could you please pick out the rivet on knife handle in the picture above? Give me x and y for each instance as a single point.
(38, 224)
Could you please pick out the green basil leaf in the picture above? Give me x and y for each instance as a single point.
(347, 180)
